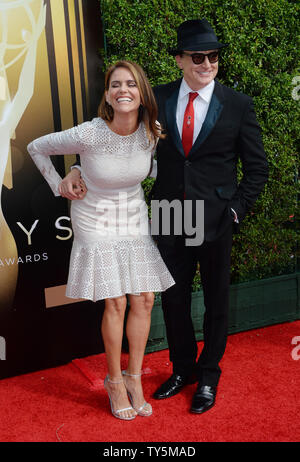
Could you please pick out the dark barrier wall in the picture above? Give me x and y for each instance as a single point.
(50, 80)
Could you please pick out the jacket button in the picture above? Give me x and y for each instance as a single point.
(187, 163)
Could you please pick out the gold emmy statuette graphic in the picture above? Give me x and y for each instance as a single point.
(21, 25)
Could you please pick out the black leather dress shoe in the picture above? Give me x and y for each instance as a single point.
(203, 399)
(172, 386)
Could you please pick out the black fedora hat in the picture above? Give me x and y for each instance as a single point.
(196, 35)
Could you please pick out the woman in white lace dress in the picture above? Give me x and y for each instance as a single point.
(113, 253)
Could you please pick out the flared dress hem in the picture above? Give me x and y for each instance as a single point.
(110, 269)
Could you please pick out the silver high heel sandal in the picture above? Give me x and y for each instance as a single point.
(142, 411)
(118, 411)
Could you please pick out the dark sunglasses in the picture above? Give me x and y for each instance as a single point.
(198, 58)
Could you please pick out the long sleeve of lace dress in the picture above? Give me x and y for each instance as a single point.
(59, 143)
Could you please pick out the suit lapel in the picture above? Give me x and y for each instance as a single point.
(171, 105)
(213, 114)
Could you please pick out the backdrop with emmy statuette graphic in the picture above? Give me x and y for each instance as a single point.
(50, 80)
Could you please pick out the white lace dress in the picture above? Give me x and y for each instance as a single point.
(113, 252)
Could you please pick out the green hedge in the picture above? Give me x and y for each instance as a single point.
(261, 60)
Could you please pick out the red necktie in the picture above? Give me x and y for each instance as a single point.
(188, 124)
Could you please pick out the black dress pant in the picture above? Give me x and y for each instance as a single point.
(214, 260)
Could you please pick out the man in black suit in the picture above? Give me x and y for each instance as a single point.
(207, 133)
(204, 168)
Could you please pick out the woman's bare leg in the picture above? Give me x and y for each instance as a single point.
(137, 330)
(112, 334)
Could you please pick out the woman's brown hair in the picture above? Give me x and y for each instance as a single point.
(148, 110)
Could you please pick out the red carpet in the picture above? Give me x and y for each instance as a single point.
(258, 399)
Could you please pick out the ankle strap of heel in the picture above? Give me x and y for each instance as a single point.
(113, 381)
(131, 375)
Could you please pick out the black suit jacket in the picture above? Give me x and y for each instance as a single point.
(229, 132)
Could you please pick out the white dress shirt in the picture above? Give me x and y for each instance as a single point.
(201, 104)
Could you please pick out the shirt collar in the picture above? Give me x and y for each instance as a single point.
(205, 92)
